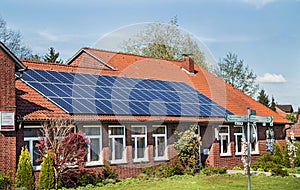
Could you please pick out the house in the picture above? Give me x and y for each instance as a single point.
(129, 107)
(284, 110)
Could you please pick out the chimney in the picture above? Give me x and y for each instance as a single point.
(188, 64)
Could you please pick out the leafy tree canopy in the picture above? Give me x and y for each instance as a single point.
(233, 71)
(13, 40)
(165, 41)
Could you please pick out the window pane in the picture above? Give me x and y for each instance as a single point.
(91, 130)
(118, 148)
(116, 130)
(224, 143)
(32, 132)
(159, 130)
(110, 148)
(95, 150)
(140, 147)
(238, 130)
(239, 143)
(161, 146)
(223, 130)
(36, 154)
(138, 130)
(133, 148)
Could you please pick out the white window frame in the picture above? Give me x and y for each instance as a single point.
(112, 149)
(134, 137)
(30, 141)
(236, 135)
(155, 136)
(255, 151)
(99, 137)
(221, 135)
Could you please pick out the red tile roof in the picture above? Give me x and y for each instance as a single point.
(34, 106)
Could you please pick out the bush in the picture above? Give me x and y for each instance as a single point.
(175, 169)
(277, 156)
(24, 175)
(88, 178)
(109, 175)
(5, 181)
(237, 168)
(47, 175)
(212, 170)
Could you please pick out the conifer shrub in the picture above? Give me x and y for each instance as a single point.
(47, 175)
(24, 175)
(277, 156)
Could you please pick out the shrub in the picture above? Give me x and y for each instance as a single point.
(277, 156)
(175, 169)
(237, 168)
(88, 178)
(5, 181)
(212, 170)
(24, 175)
(47, 175)
(109, 175)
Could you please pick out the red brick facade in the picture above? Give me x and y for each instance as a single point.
(8, 140)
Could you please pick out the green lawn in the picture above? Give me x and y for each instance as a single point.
(232, 182)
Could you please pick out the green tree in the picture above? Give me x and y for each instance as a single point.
(187, 147)
(47, 176)
(235, 73)
(66, 151)
(13, 40)
(263, 98)
(52, 56)
(273, 104)
(24, 176)
(165, 41)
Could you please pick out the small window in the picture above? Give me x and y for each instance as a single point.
(117, 144)
(93, 133)
(224, 140)
(139, 143)
(254, 145)
(159, 135)
(238, 135)
(31, 138)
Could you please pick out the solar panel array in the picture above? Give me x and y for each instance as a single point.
(79, 93)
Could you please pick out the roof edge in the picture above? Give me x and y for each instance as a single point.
(18, 63)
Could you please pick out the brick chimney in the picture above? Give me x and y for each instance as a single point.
(188, 64)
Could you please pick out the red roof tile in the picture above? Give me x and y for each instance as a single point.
(129, 65)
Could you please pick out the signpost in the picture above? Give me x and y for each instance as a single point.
(251, 117)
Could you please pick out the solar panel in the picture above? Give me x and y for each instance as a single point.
(80, 93)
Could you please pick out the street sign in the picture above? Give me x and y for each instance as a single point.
(261, 119)
(236, 118)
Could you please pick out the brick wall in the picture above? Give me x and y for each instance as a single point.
(8, 140)
(214, 158)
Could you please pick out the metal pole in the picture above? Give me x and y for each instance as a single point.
(249, 151)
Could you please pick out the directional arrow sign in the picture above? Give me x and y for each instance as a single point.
(236, 118)
(261, 119)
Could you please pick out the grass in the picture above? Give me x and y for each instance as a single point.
(223, 182)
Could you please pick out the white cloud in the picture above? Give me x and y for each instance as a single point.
(271, 78)
(258, 3)
(54, 37)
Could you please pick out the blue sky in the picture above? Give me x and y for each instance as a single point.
(264, 33)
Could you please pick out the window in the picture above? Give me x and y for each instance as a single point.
(139, 143)
(159, 135)
(117, 144)
(224, 140)
(254, 144)
(93, 133)
(238, 135)
(31, 138)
